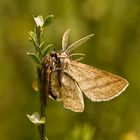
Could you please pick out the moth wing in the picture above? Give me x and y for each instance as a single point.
(96, 84)
(71, 94)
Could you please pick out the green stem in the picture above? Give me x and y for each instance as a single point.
(38, 35)
(42, 127)
(41, 88)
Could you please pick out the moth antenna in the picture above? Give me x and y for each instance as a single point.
(78, 43)
(79, 59)
(81, 54)
(65, 39)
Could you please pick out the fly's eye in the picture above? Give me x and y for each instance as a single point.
(52, 54)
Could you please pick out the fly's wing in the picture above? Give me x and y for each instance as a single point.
(71, 94)
(96, 84)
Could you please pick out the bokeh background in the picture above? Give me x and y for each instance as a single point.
(114, 48)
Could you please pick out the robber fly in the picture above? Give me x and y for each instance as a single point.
(70, 79)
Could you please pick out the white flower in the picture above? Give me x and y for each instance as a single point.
(35, 118)
(39, 20)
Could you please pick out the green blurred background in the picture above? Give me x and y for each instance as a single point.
(115, 48)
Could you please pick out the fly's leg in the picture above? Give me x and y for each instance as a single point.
(58, 69)
(53, 93)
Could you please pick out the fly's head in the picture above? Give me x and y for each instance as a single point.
(53, 61)
(54, 57)
(48, 62)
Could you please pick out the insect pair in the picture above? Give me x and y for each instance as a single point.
(69, 79)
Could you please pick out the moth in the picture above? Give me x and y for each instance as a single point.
(70, 79)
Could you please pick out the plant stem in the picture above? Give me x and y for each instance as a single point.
(42, 127)
(42, 83)
(38, 35)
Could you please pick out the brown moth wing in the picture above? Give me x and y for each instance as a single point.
(71, 94)
(96, 84)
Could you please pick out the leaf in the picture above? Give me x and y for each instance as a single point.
(65, 39)
(46, 50)
(39, 20)
(33, 41)
(47, 21)
(78, 43)
(33, 38)
(32, 34)
(34, 57)
(42, 45)
(35, 118)
(35, 85)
